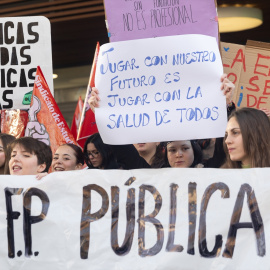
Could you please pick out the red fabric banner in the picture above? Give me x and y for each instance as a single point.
(77, 118)
(14, 122)
(88, 122)
(46, 122)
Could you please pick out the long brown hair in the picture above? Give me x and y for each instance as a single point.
(6, 140)
(255, 128)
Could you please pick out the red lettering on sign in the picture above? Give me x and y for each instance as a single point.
(260, 56)
(241, 59)
(249, 104)
(232, 80)
(256, 89)
(261, 102)
(266, 87)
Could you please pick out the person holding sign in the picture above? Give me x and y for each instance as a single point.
(246, 141)
(194, 156)
(188, 154)
(28, 156)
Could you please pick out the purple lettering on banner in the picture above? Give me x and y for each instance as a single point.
(128, 20)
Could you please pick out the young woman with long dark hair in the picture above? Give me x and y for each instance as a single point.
(99, 155)
(246, 141)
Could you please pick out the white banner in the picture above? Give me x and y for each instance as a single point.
(137, 219)
(25, 44)
(160, 89)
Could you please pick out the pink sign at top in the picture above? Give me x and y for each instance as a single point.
(129, 19)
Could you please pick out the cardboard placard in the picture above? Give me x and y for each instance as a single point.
(254, 85)
(234, 63)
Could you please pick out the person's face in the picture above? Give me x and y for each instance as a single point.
(64, 159)
(24, 163)
(146, 147)
(180, 154)
(94, 155)
(234, 142)
(2, 155)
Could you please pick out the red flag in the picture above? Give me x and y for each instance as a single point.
(13, 122)
(46, 122)
(77, 118)
(88, 122)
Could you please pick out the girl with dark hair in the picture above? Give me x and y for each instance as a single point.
(183, 154)
(5, 140)
(28, 156)
(188, 154)
(246, 141)
(68, 157)
(99, 155)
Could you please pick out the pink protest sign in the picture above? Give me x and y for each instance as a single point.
(129, 19)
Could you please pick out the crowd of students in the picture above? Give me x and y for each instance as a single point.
(246, 145)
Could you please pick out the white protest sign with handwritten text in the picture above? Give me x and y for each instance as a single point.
(160, 89)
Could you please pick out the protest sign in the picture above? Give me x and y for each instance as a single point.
(233, 58)
(138, 219)
(25, 44)
(128, 20)
(254, 86)
(46, 122)
(170, 90)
